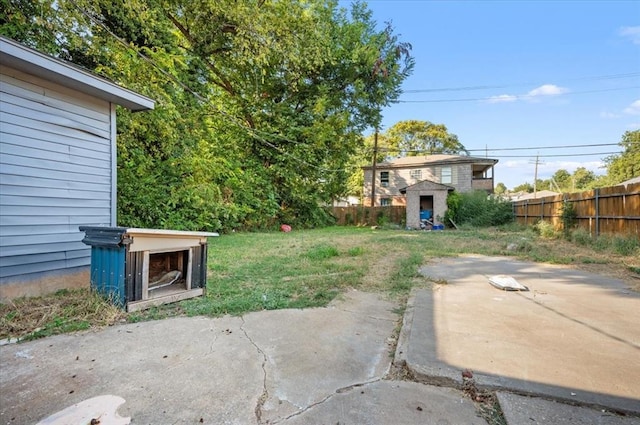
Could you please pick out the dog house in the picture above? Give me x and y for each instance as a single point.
(141, 268)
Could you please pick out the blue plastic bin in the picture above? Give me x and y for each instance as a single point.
(426, 214)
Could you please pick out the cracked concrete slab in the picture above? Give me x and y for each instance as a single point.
(392, 402)
(259, 368)
(519, 409)
(311, 356)
(168, 371)
(573, 336)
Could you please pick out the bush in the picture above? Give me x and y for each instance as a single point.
(569, 218)
(581, 237)
(626, 245)
(546, 230)
(619, 244)
(478, 209)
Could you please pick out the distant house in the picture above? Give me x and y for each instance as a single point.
(422, 182)
(522, 196)
(631, 181)
(57, 167)
(347, 201)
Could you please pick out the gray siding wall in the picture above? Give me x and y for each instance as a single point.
(55, 175)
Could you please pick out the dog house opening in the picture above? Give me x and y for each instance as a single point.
(168, 272)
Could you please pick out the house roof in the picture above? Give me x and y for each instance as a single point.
(536, 195)
(427, 182)
(30, 61)
(413, 161)
(631, 181)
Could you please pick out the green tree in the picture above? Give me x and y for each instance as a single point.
(413, 137)
(500, 188)
(626, 165)
(562, 180)
(260, 104)
(524, 187)
(583, 178)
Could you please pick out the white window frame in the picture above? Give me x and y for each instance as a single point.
(385, 202)
(446, 175)
(415, 174)
(384, 182)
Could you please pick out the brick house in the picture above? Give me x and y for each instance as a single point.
(421, 183)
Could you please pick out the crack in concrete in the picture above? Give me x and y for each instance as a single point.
(265, 393)
(365, 315)
(327, 398)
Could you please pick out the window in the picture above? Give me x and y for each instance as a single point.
(384, 178)
(385, 202)
(416, 174)
(445, 177)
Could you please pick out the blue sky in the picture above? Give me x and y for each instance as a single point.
(522, 74)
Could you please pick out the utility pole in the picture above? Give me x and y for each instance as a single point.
(373, 168)
(535, 178)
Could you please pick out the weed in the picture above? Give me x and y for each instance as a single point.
(629, 245)
(569, 218)
(322, 252)
(478, 209)
(406, 271)
(355, 251)
(546, 230)
(589, 260)
(581, 236)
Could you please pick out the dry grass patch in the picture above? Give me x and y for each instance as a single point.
(64, 311)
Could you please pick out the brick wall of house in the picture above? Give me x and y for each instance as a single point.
(461, 179)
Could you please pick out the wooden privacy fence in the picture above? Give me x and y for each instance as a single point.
(606, 210)
(359, 215)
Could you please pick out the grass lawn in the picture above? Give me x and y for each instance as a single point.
(309, 268)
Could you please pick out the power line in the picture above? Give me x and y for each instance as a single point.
(543, 147)
(510, 149)
(502, 86)
(559, 155)
(516, 97)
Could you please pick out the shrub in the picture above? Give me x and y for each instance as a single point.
(626, 245)
(582, 237)
(478, 209)
(569, 218)
(546, 230)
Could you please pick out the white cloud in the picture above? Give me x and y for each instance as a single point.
(632, 33)
(514, 164)
(608, 115)
(633, 109)
(502, 98)
(547, 90)
(552, 166)
(532, 95)
(633, 126)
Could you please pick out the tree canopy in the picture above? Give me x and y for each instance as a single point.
(626, 165)
(260, 103)
(414, 137)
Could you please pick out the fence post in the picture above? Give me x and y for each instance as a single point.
(597, 201)
(526, 212)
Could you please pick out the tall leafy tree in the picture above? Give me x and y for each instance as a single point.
(413, 137)
(626, 165)
(260, 103)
